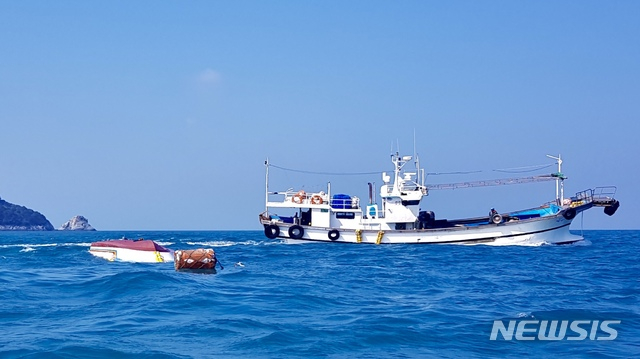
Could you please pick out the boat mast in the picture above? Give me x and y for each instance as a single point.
(396, 162)
(419, 172)
(266, 184)
(559, 180)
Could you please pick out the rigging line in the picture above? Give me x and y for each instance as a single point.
(523, 169)
(326, 173)
(452, 173)
(507, 170)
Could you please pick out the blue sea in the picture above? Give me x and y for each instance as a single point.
(274, 300)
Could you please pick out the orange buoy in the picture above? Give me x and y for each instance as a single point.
(299, 197)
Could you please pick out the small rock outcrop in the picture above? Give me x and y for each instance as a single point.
(77, 223)
(19, 218)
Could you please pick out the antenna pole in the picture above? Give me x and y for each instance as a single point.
(266, 189)
(414, 143)
(559, 180)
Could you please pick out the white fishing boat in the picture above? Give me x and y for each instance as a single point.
(338, 218)
(127, 250)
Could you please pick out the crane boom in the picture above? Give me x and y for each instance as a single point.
(495, 182)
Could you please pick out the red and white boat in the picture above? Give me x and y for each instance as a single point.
(128, 250)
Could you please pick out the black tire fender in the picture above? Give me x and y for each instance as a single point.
(569, 213)
(296, 232)
(333, 234)
(271, 231)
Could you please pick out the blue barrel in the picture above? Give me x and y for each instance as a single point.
(341, 201)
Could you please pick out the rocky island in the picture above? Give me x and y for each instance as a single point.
(19, 218)
(77, 223)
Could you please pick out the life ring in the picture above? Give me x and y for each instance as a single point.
(271, 231)
(569, 213)
(333, 234)
(496, 218)
(296, 232)
(299, 197)
(316, 199)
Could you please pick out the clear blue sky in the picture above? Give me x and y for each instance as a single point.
(160, 114)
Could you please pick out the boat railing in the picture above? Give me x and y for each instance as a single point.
(301, 197)
(605, 193)
(598, 194)
(584, 196)
(345, 203)
(317, 198)
(409, 186)
(287, 194)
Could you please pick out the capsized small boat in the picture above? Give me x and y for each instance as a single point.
(341, 218)
(128, 250)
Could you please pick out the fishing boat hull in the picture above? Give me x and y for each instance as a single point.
(552, 230)
(141, 251)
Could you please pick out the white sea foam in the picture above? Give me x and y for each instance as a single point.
(28, 247)
(225, 243)
(585, 242)
(519, 243)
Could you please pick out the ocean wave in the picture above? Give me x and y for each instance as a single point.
(40, 245)
(324, 300)
(583, 243)
(165, 244)
(230, 243)
(30, 245)
(97, 351)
